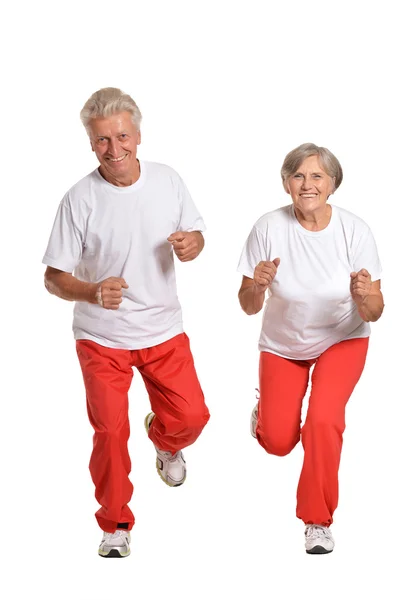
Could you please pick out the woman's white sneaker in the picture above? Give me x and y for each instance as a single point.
(254, 415)
(171, 467)
(254, 421)
(318, 539)
(115, 545)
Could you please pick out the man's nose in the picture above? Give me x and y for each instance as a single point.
(114, 148)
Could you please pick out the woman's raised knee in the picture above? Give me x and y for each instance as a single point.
(275, 444)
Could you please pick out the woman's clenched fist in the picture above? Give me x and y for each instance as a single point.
(264, 274)
(360, 285)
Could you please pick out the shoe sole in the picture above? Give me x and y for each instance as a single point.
(172, 485)
(251, 426)
(318, 550)
(114, 554)
(146, 423)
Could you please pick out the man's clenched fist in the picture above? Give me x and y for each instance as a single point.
(264, 274)
(187, 244)
(109, 292)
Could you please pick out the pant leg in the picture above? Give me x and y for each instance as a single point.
(282, 384)
(107, 375)
(175, 394)
(334, 378)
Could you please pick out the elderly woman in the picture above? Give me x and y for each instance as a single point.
(320, 267)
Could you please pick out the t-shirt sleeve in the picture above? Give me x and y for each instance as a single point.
(65, 246)
(365, 255)
(253, 253)
(190, 219)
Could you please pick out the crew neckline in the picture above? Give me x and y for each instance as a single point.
(320, 233)
(126, 189)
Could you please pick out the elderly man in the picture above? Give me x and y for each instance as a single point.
(111, 251)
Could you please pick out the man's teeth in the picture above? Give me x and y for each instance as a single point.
(117, 159)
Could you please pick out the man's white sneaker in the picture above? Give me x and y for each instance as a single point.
(318, 539)
(115, 545)
(171, 467)
(254, 417)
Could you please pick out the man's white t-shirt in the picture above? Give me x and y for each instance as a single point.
(309, 306)
(102, 230)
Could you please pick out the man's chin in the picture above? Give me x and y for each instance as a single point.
(117, 168)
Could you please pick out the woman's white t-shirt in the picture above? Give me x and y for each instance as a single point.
(310, 307)
(102, 231)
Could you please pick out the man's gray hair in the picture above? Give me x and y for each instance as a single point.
(328, 161)
(109, 101)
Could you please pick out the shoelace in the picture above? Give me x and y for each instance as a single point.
(117, 533)
(171, 457)
(315, 531)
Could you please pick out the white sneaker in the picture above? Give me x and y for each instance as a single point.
(318, 539)
(254, 416)
(171, 467)
(115, 545)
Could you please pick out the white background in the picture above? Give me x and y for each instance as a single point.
(226, 90)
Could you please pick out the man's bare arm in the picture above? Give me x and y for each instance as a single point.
(66, 286)
(107, 293)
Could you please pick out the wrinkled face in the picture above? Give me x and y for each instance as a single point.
(114, 140)
(309, 186)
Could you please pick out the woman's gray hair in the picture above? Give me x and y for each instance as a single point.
(109, 101)
(295, 158)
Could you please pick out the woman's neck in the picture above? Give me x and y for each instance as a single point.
(315, 220)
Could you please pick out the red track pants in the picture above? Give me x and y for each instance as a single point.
(283, 385)
(176, 399)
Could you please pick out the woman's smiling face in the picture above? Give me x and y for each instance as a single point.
(310, 186)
